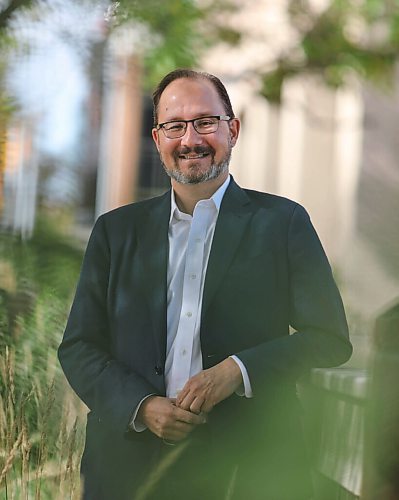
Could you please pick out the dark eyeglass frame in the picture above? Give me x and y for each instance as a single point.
(220, 118)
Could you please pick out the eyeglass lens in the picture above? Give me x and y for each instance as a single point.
(206, 125)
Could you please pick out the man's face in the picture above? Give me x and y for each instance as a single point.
(195, 157)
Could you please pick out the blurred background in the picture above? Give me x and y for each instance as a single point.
(316, 86)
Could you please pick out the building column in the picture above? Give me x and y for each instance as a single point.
(121, 127)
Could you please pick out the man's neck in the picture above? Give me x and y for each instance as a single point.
(188, 195)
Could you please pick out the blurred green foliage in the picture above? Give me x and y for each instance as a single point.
(7, 104)
(180, 31)
(348, 38)
(11, 7)
(37, 279)
(39, 441)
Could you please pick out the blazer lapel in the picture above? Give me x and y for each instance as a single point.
(153, 251)
(235, 213)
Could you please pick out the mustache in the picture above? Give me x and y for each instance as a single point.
(196, 149)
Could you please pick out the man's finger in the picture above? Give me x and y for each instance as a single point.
(178, 430)
(189, 417)
(182, 394)
(185, 402)
(173, 436)
(207, 406)
(196, 405)
(183, 427)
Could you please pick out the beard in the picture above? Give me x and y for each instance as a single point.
(196, 175)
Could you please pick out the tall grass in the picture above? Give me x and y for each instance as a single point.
(41, 421)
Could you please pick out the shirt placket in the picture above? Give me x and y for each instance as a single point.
(183, 349)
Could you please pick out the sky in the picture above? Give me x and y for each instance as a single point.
(47, 72)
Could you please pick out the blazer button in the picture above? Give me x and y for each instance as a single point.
(159, 370)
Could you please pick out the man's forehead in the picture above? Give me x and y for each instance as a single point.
(181, 85)
(187, 93)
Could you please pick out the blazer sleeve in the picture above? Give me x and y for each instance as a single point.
(107, 387)
(316, 314)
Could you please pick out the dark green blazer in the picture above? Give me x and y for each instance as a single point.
(267, 272)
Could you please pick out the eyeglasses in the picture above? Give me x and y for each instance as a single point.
(203, 125)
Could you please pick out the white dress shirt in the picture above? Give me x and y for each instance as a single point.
(190, 241)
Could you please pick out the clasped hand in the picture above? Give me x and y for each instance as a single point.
(174, 419)
(209, 387)
(166, 420)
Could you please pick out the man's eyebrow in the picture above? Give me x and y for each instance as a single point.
(179, 118)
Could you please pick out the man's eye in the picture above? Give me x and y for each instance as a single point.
(174, 127)
(205, 123)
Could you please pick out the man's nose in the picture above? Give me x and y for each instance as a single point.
(191, 137)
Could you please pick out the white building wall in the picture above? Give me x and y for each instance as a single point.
(307, 149)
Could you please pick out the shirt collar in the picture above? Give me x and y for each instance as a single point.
(217, 198)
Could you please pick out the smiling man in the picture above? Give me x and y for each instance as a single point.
(199, 152)
(178, 339)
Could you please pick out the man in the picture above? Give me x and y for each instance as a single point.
(178, 338)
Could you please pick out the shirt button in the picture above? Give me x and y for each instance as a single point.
(189, 314)
(193, 276)
(184, 352)
(198, 240)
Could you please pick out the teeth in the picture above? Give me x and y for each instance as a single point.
(190, 157)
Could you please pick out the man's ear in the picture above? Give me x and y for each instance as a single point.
(234, 127)
(155, 137)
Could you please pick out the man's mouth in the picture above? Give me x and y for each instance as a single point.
(196, 153)
(192, 156)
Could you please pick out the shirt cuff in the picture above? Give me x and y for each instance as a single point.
(245, 378)
(133, 424)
